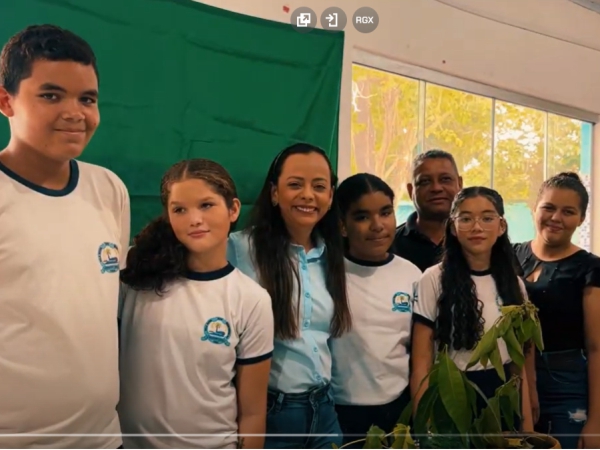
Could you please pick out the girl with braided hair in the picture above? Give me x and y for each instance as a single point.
(460, 298)
(196, 333)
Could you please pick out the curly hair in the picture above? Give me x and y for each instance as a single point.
(270, 244)
(157, 258)
(459, 324)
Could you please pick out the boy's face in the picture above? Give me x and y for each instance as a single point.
(55, 111)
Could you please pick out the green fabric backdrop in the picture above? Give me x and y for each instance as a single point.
(179, 79)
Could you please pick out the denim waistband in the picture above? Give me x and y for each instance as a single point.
(313, 394)
(573, 353)
(565, 360)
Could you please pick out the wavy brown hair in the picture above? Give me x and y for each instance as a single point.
(157, 257)
(270, 244)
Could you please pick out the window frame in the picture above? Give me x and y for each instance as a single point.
(424, 76)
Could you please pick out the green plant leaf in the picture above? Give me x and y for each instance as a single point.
(375, 438)
(476, 389)
(496, 361)
(490, 425)
(441, 422)
(424, 410)
(476, 436)
(507, 411)
(507, 310)
(484, 361)
(536, 335)
(528, 329)
(517, 321)
(453, 394)
(504, 325)
(514, 398)
(484, 346)
(515, 349)
(433, 375)
(404, 418)
(471, 394)
(402, 437)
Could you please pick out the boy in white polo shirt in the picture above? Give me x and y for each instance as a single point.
(196, 333)
(64, 228)
(370, 371)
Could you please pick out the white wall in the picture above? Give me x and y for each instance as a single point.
(548, 49)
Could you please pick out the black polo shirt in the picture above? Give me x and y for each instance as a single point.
(411, 244)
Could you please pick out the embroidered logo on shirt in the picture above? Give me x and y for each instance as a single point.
(108, 256)
(217, 331)
(401, 302)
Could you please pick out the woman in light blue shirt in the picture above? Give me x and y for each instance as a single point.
(293, 248)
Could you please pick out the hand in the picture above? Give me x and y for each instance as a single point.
(590, 436)
(535, 404)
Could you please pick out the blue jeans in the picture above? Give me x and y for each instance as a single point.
(304, 420)
(562, 384)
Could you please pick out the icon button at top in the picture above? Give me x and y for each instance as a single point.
(304, 19)
(333, 19)
(365, 19)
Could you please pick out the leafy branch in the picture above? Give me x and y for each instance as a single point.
(449, 414)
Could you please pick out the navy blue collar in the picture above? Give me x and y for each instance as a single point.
(210, 276)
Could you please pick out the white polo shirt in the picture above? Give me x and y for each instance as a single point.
(60, 253)
(426, 309)
(179, 354)
(371, 362)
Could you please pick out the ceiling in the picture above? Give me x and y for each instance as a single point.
(593, 5)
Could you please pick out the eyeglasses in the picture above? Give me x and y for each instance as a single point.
(466, 223)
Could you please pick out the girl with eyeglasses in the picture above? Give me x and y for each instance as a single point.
(460, 298)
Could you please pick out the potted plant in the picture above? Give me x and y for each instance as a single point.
(445, 416)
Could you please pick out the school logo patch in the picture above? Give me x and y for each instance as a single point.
(401, 302)
(108, 256)
(217, 330)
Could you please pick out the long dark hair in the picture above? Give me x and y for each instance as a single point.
(270, 246)
(459, 324)
(157, 257)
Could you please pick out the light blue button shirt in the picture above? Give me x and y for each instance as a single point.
(305, 362)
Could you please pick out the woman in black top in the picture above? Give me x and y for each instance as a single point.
(563, 281)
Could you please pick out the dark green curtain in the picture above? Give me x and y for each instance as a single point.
(179, 79)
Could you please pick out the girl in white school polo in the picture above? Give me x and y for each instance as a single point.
(196, 333)
(293, 247)
(371, 363)
(460, 298)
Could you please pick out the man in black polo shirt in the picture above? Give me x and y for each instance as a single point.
(435, 182)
